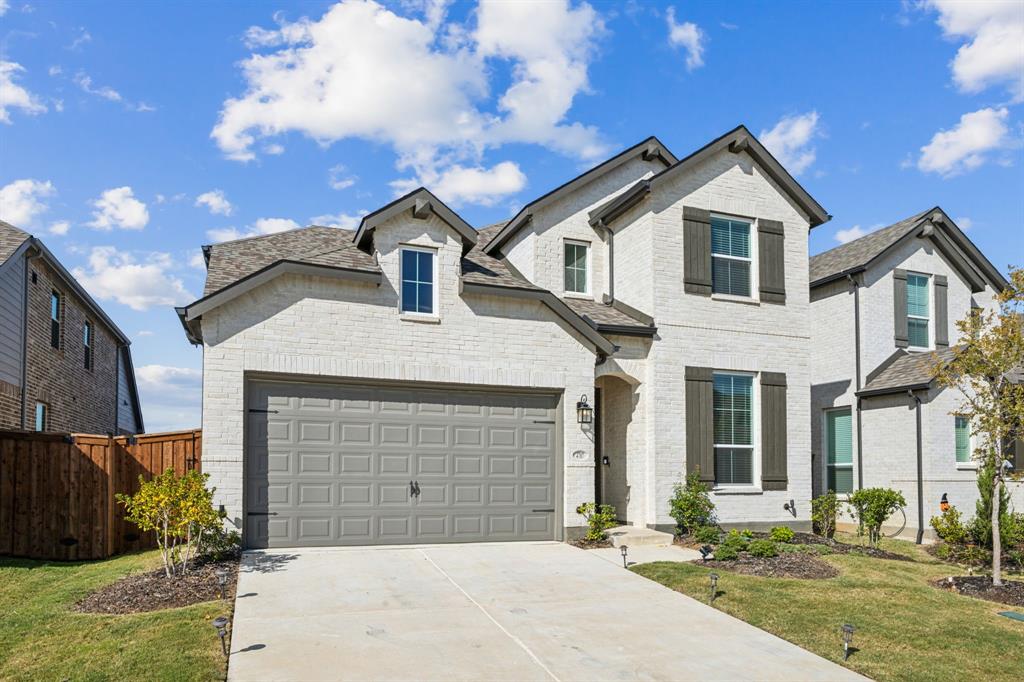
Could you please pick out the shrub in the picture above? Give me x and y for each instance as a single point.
(691, 504)
(726, 553)
(736, 540)
(949, 528)
(599, 519)
(707, 534)
(763, 548)
(1016, 557)
(782, 534)
(981, 525)
(180, 510)
(824, 510)
(872, 506)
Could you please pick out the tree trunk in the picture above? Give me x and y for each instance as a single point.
(997, 544)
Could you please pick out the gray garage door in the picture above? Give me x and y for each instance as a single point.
(359, 465)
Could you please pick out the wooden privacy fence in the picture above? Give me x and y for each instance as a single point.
(57, 490)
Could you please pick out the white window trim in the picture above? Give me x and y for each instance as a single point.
(755, 436)
(931, 314)
(824, 450)
(413, 315)
(589, 273)
(755, 290)
(971, 464)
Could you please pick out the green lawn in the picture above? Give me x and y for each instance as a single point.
(906, 629)
(41, 638)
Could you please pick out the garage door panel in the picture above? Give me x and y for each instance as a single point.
(333, 466)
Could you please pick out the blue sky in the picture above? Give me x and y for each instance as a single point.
(132, 133)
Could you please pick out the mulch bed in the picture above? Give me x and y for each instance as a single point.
(842, 547)
(980, 587)
(153, 591)
(792, 565)
(591, 544)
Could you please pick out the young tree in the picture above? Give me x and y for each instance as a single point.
(986, 367)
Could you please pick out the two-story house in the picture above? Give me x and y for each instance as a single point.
(882, 306)
(421, 381)
(64, 365)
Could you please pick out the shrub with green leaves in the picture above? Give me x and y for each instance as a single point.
(950, 528)
(763, 548)
(707, 534)
(691, 505)
(981, 525)
(872, 506)
(736, 540)
(824, 510)
(782, 534)
(726, 553)
(599, 519)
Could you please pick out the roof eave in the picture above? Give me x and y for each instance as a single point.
(422, 203)
(890, 390)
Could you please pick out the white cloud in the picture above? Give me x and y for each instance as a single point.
(339, 179)
(82, 38)
(419, 85)
(967, 145)
(196, 260)
(55, 70)
(260, 227)
(273, 149)
(216, 202)
(118, 275)
(345, 221)
(994, 51)
(688, 36)
(14, 96)
(790, 141)
(172, 396)
(84, 82)
(22, 201)
(964, 223)
(145, 332)
(60, 227)
(4, 6)
(118, 207)
(458, 185)
(850, 233)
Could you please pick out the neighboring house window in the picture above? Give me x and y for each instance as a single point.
(917, 310)
(962, 429)
(41, 416)
(55, 303)
(577, 267)
(734, 429)
(839, 451)
(419, 290)
(87, 344)
(731, 259)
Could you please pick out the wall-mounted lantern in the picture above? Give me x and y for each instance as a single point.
(584, 412)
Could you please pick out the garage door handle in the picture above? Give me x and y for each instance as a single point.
(535, 511)
(261, 514)
(414, 489)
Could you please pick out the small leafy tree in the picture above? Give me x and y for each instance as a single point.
(824, 510)
(179, 509)
(985, 366)
(599, 519)
(981, 525)
(691, 505)
(872, 506)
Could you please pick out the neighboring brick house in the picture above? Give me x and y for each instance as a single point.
(64, 365)
(881, 306)
(422, 381)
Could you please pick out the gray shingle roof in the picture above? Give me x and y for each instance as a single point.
(907, 370)
(858, 253)
(10, 239)
(601, 314)
(479, 268)
(330, 246)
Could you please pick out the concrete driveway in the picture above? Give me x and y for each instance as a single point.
(514, 611)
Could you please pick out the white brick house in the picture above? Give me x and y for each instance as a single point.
(880, 307)
(419, 380)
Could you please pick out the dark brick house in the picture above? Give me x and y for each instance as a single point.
(64, 365)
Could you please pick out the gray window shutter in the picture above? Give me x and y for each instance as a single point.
(773, 431)
(771, 260)
(700, 442)
(941, 312)
(899, 300)
(696, 251)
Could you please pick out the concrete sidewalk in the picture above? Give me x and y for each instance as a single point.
(511, 611)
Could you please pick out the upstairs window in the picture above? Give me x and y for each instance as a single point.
(55, 311)
(419, 290)
(577, 266)
(917, 311)
(962, 432)
(733, 406)
(731, 260)
(40, 416)
(87, 344)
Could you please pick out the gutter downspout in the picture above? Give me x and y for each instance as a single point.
(920, 474)
(856, 353)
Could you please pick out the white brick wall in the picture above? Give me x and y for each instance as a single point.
(333, 328)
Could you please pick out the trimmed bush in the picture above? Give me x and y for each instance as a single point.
(726, 553)
(872, 506)
(950, 528)
(824, 510)
(691, 505)
(782, 534)
(707, 534)
(736, 540)
(763, 548)
(599, 519)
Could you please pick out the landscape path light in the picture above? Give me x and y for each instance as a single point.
(220, 624)
(714, 587)
(847, 639)
(623, 550)
(222, 580)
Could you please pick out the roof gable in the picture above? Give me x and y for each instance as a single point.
(421, 202)
(11, 238)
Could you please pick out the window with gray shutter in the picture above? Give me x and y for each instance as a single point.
(699, 423)
(773, 431)
(941, 312)
(696, 251)
(772, 261)
(899, 293)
